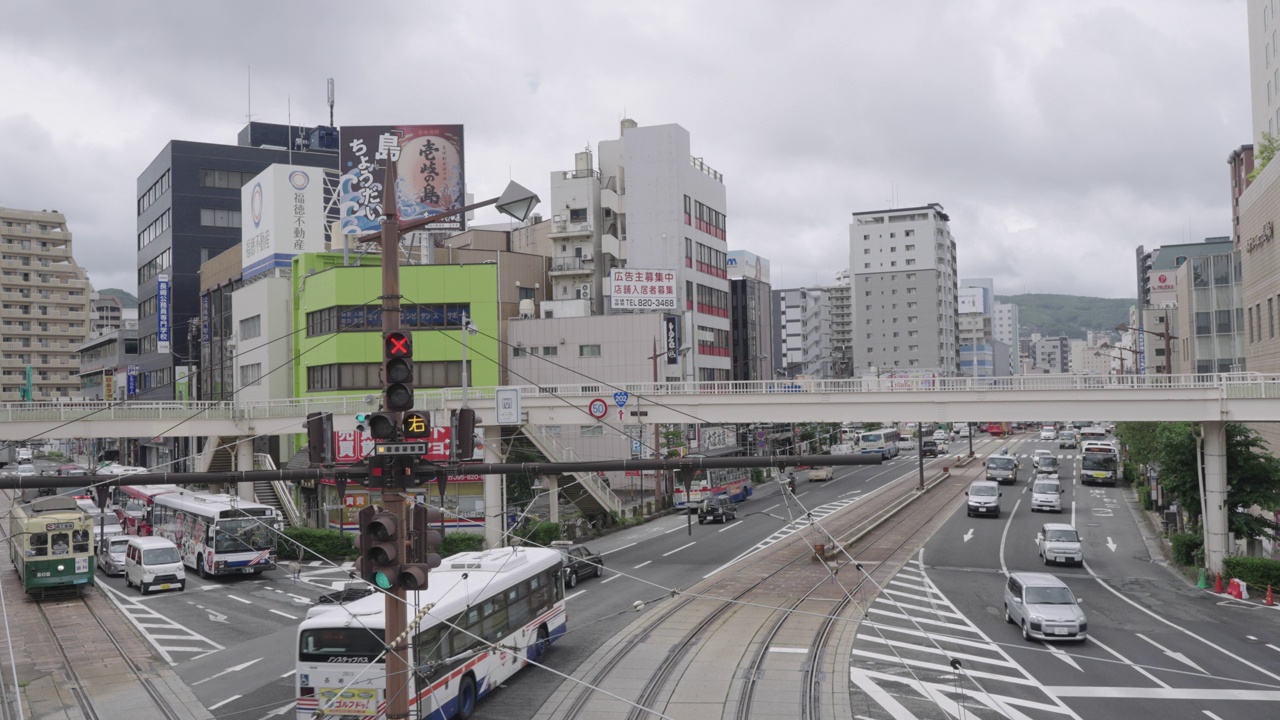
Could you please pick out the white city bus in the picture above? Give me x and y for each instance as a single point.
(509, 598)
(217, 534)
(883, 441)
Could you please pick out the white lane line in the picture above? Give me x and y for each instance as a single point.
(926, 621)
(1175, 655)
(280, 710)
(567, 599)
(678, 527)
(1143, 693)
(931, 690)
(797, 651)
(240, 599)
(624, 547)
(880, 695)
(695, 542)
(611, 578)
(229, 670)
(1273, 647)
(224, 702)
(288, 674)
(948, 654)
(921, 608)
(1211, 715)
(285, 614)
(1005, 536)
(646, 562)
(771, 507)
(1182, 630)
(1125, 661)
(729, 527)
(943, 668)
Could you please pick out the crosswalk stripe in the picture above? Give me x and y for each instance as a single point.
(943, 668)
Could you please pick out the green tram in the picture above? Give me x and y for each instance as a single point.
(51, 544)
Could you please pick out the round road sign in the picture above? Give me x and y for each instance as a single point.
(598, 408)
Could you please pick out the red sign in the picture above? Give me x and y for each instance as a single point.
(598, 408)
(351, 447)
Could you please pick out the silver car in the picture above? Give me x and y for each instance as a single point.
(1060, 543)
(111, 555)
(984, 498)
(1043, 607)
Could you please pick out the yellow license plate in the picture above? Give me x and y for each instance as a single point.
(165, 586)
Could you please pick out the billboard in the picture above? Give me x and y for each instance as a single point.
(1163, 286)
(969, 300)
(429, 171)
(163, 331)
(642, 289)
(741, 263)
(282, 211)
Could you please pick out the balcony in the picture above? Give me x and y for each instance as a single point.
(562, 228)
(571, 265)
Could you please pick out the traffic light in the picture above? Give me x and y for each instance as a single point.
(320, 438)
(424, 546)
(382, 426)
(362, 420)
(381, 548)
(464, 439)
(397, 371)
(416, 425)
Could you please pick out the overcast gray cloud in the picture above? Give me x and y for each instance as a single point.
(1058, 135)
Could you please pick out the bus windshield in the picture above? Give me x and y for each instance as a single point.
(341, 645)
(243, 535)
(1098, 461)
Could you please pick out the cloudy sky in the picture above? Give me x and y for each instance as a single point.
(1058, 135)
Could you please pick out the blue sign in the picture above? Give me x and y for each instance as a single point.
(131, 384)
(205, 311)
(635, 447)
(162, 314)
(621, 398)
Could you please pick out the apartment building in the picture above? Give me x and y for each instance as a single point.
(905, 293)
(44, 310)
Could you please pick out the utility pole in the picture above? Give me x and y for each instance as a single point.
(920, 450)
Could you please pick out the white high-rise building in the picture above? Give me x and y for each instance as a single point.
(1004, 325)
(904, 300)
(1264, 67)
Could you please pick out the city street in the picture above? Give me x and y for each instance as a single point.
(1157, 648)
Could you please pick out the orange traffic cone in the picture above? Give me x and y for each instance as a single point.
(1269, 600)
(1217, 586)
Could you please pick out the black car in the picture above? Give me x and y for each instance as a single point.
(579, 562)
(929, 448)
(718, 508)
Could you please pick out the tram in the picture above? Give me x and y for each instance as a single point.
(51, 544)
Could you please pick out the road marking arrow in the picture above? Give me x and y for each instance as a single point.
(214, 615)
(237, 668)
(1058, 653)
(1111, 544)
(969, 535)
(1175, 655)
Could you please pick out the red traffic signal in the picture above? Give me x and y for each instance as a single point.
(396, 344)
(397, 371)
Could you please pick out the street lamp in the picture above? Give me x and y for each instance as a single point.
(1166, 336)
(1109, 346)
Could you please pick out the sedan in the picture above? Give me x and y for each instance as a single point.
(579, 562)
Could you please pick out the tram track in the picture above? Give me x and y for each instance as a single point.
(757, 582)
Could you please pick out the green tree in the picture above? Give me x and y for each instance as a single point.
(1139, 440)
(1263, 154)
(1253, 476)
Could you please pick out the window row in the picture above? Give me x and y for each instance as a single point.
(1258, 330)
(1220, 321)
(712, 301)
(368, 376)
(712, 261)
(155, 266)
(216, 217)
(545, 351)
(153, 231)
(704, 218)
(148, 307)
(346, 318)
(153, 193)
(713, 341)
(224, 178)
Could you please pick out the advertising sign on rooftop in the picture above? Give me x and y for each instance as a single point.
(429, 172)
(282, 211)
(642, 289)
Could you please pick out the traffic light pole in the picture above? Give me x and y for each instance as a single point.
(396, 609)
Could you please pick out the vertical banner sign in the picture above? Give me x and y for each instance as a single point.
(162, 314)
(182, 384)
(671, 333)
(205, 335)
(429, 171)
(131, 384)
(1142, 351)
(109, 384)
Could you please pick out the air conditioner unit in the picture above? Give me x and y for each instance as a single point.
(586, 290)
(586, 255)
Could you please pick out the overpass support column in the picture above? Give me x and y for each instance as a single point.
(244, 461)
(495, 514)
(553, 497)
(1216, 537)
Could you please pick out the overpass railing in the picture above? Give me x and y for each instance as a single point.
(1228, 385)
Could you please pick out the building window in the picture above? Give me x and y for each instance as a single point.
(517, 351)
(224, 178)
(1271, 318)
(154, 230)
(577, 215)
(153, 193)
(251, 327)
(866, 266)
(345, 318)
(214, 217)
(588, 351)
(549, 350)
(1203, 326)
(591, 430)
(250, 374)
(368, 376)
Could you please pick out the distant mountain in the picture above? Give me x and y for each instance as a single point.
(1070, 315)
(127, 299)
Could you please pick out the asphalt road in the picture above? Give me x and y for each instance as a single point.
(232, 639)
(1157, 648)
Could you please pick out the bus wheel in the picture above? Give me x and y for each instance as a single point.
(466, 697)
(200, 567)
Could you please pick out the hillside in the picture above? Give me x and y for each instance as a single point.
(127, 299)
(1070, 315)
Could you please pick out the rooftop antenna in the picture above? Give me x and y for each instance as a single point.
(330, 84)
(248, 115)
(288, 139)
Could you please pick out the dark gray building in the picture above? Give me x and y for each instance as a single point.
(751, 328)
(188, 211)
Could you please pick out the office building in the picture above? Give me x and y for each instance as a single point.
(751, 316)
(1212, 326)
(903, 264)
(1053, 355)
(45, 312)
(800, 346)
(188, 211)
(1004, 323)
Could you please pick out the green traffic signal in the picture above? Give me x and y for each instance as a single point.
(381, 580)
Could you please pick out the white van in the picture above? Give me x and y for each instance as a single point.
(24, 455)
(153, 563)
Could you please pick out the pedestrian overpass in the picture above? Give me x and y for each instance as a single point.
(1212, 400)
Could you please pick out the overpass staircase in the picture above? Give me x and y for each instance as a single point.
(219, 455)
(587, 492)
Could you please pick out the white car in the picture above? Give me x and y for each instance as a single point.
(1060, 543)
(941, 435)
(1037, 455)
(1046, 495)
(26, 470)
(1048, 432)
